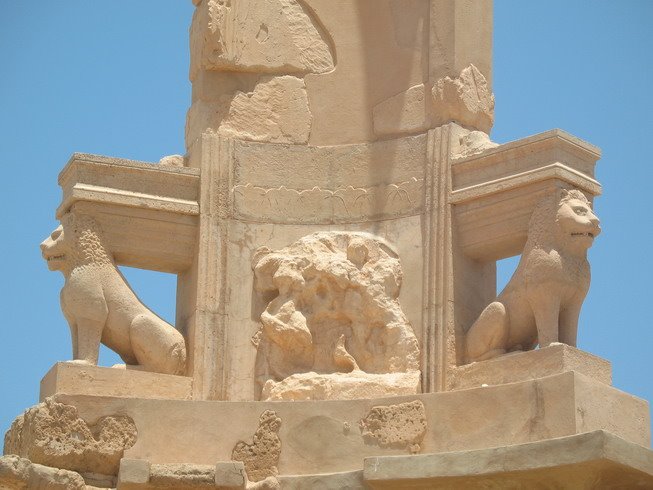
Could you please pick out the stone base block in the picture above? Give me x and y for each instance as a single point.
(522, 366)
(137, 474)
(592, 460)
(76, 379)
(350, 480)
(337, 435)
(342, 386)
(19, 473)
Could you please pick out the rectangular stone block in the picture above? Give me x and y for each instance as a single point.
(75, 379)
(592, 460)
(133, 473)
(139, 207)
(230, 474)
(523, 366)
(325, 436)
(138, 474)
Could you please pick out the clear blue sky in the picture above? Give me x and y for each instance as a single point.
(111, 78)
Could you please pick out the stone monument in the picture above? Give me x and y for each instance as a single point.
(334, 227)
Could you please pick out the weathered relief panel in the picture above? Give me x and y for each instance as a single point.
(358, 183)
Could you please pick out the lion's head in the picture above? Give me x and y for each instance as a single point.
(566, 223)
(54, 249)
(76, 242)
(576, 221)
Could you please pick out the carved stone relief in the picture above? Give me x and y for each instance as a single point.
(316, 205)
(396, 426)
(541, 303)
(333, 309)
(101, 307)
(52, 434)
(248, 59)
(263, 36)
(261, 456)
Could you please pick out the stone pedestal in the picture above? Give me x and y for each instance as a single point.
(566, 425)
(136, 474)
(522, 366)
(74, 379)
(205, 432)
(591, 460)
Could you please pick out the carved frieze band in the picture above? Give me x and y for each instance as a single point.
(324, 206)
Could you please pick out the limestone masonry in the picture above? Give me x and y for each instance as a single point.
(337, 219)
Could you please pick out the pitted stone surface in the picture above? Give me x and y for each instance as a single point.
(18, 473)
(52, 434)
(396, 426)
(335, 310)
(261, 456)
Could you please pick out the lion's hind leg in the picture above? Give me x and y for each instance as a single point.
(488, 336)
(157, 345)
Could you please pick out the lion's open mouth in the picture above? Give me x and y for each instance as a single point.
(55, 257)
(591, 235)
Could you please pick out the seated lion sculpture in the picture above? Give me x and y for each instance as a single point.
(100, 306)
(541, 303)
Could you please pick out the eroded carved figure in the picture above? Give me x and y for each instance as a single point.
(333, 308)
(100, 306)
(53, 434)
(261, 456)
(541, 303)
(239, 36)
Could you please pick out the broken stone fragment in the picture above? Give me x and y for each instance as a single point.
(261, 456)
(173, 161)
(395, 426)
(466, 100)
(275, 111)
(342, 386)
(18, 473)
(52, 434)
(472, 143)
(262, 36)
